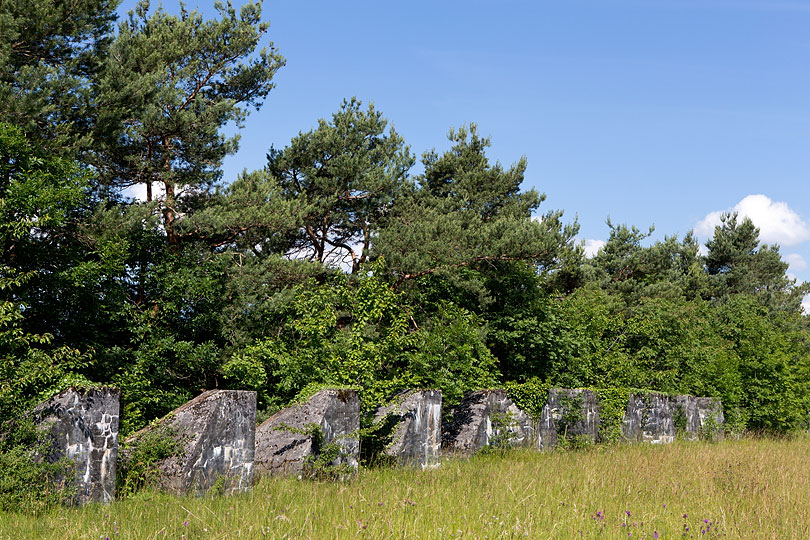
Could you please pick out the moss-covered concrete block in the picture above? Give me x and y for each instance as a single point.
(411, 427)
(215, 434)
(285, 441)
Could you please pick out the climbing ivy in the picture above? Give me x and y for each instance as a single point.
(612, 406)
(530, 396)
(138, 460)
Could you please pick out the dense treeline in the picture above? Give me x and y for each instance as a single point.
(335, 263)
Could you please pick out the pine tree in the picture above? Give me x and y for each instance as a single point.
(465, 211)
(50, 55)
(169, 86)
(737, 263)
(350, 171)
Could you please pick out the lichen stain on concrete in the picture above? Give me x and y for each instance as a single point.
(414, 424)
(83, 423)
(217, 433)
(283, 442)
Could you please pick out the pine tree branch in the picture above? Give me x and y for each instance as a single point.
(493, 258)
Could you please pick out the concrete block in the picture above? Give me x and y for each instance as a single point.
(483, 418)
(412, 428)
(697, 412)
(649, 418)
(83, 425)
(568, 413)
(283, 443)
(216, 431)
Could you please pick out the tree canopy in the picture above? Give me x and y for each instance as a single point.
(335, 263)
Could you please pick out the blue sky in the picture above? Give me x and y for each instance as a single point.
(661, 112)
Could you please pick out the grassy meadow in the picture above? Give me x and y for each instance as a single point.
(753, 488)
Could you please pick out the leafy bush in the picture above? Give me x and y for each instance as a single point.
(612, 407)
(530, 396)
(359, 333)
(137, 463)
(29, 480)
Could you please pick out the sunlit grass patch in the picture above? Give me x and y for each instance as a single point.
(733, 489)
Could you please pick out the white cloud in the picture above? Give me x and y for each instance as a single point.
(796, 262)
(777, 223)
(138, 191)
(592, 246)
(806, 304)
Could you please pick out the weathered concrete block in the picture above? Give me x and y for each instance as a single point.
(698, 414)
(568, 413)
(83, 424)
(412, 428)
(649, 418)
(283, 443)
(216, 431)
(486, 417)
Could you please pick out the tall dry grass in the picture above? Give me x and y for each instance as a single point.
(734, 489)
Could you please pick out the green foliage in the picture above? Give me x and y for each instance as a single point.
(468, 212)
(570, 414)
(345, 334)
(246, 371)
(503, 426)
(50, 53)
(525, 327)
(327, 460)
(359, 333)
(670, 269)
(169, 85)
(679, 422)
(450, 353)
(710, 430)
(37, 197)
(736, 263)
(612, 407)
(137, 463)
(376, 436)
(530, 396)
(770, 359)
(29, 480)
(349, 172)
(249, 218)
